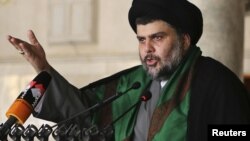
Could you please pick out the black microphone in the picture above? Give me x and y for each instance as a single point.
(135, 85)
(107, 131)
(26, 102)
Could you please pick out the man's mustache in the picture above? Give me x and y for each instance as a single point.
(151, 57)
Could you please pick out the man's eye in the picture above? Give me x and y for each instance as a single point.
(157, 38)
(141, 40)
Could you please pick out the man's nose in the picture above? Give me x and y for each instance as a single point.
(149, 46)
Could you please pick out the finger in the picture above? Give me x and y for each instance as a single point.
(24, 50)
(9, 38)
(32, 37)
(14, 41)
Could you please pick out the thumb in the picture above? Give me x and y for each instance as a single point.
(32, 37)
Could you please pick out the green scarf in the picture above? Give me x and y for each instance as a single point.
(169, 120)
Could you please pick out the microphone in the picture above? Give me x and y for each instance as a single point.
(25, 103)
(107, 131)
(135, 85)
(146, 96)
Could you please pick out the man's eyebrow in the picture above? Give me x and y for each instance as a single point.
(140, 37)
(158, 34)
(152, 35)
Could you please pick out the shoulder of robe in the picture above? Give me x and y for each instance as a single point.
(111, 78)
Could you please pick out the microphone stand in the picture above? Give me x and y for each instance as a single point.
(136, 85)
(105, 134)
(108, 130)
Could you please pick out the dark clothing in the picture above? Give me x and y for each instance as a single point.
(217, 97)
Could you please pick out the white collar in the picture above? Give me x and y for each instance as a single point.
(163, 83)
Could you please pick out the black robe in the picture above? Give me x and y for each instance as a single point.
(217, 97)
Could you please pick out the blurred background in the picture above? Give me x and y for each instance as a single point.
(86, 40)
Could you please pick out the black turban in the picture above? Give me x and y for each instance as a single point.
(179, 13)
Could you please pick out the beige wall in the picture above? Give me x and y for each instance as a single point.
(247, 43)
(224, 32)
(111, 47)
(80, 62)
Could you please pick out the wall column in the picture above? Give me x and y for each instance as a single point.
(223, 33)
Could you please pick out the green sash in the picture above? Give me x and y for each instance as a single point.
(169, 120)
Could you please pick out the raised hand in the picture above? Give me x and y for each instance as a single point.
(33, 52)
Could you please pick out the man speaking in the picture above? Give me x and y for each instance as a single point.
(189, 91)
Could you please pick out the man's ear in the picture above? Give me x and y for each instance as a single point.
(186, 41)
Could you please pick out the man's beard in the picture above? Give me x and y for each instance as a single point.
(167, 66)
